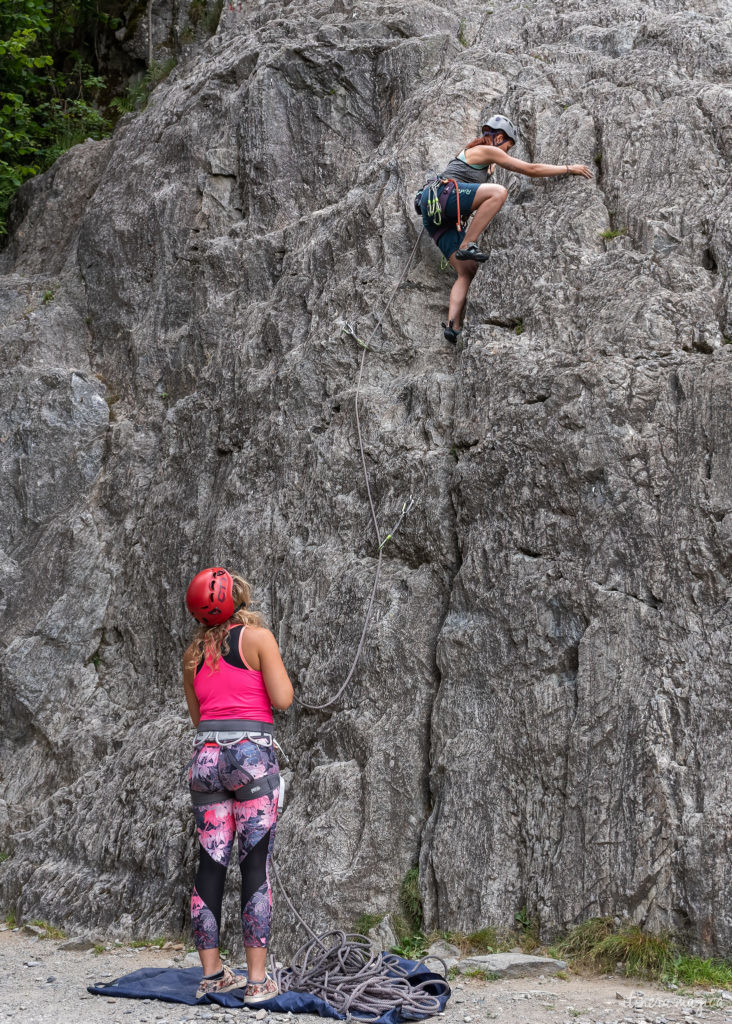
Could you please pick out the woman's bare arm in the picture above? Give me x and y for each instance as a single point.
(494, 155)
(189, 671)
(276, 680)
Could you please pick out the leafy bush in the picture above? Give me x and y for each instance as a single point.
(47, 88)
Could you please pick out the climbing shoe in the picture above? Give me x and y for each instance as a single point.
(450, 333)
(260, 991)
(471, 252)
(224, 981)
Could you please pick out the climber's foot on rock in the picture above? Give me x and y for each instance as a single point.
(451, 333)
(471, 252)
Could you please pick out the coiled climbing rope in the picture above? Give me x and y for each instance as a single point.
(340, 968)
(365, 345)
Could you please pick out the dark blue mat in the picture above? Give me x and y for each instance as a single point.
(179, 984)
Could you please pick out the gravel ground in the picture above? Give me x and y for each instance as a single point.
(40, 984)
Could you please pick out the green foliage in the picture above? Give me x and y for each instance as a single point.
(138, 94)
(461, 34)
(197, 11)
(521, 917)
(582, 940)
(411, 947)
(410, 899)
(528, 930)
(11, 920)
(47, 88)
(408, 923)
(213, 16)
(365, 922)
(519, 328)
(202, 13)
(610, 233)
(51, 931)
(4, 856)
(483, 941)
(599, 946)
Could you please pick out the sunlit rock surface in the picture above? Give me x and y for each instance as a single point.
(540, 718)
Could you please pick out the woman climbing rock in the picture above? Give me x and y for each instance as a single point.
(232, 677)
(463, 190)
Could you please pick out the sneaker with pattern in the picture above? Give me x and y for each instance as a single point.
(260, 991)
(227, 981)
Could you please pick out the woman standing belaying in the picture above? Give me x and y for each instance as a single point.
(469, 172)
(233, 676)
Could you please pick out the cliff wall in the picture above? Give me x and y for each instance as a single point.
(541, 716)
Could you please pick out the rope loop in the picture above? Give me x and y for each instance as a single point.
(340, 968)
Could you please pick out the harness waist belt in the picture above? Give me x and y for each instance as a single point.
(251, 791)
(234, 725)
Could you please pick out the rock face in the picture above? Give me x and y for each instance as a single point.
(540, 717)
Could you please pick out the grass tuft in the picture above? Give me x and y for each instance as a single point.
(578, 946)
(365, 922)
(52, 932)
(411, 947)
(481, 974)
(598, 945)
(485, 940)
(410, 899)
(610, 233)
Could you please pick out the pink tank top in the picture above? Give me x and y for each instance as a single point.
(232, 689)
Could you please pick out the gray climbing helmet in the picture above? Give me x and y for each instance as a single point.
(499, 123)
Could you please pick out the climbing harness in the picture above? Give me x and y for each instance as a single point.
(439, 191)
(406, 507)
(226, 733)
(340, 968)
(251, 791)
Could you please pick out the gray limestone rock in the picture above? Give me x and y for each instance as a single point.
(540, 717)
(448, 953)
(382, 935)
(511, 965)
(79, 943)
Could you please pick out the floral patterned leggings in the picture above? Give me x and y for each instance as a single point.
(253, 822)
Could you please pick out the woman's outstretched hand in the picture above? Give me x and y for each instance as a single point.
(580, 169)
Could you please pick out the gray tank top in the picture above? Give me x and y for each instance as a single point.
(462, 171)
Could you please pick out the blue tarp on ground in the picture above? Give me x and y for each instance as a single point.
(179, 984)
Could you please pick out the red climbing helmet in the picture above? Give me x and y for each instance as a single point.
(209, 596)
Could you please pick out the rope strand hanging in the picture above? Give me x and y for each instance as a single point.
(406, 507)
